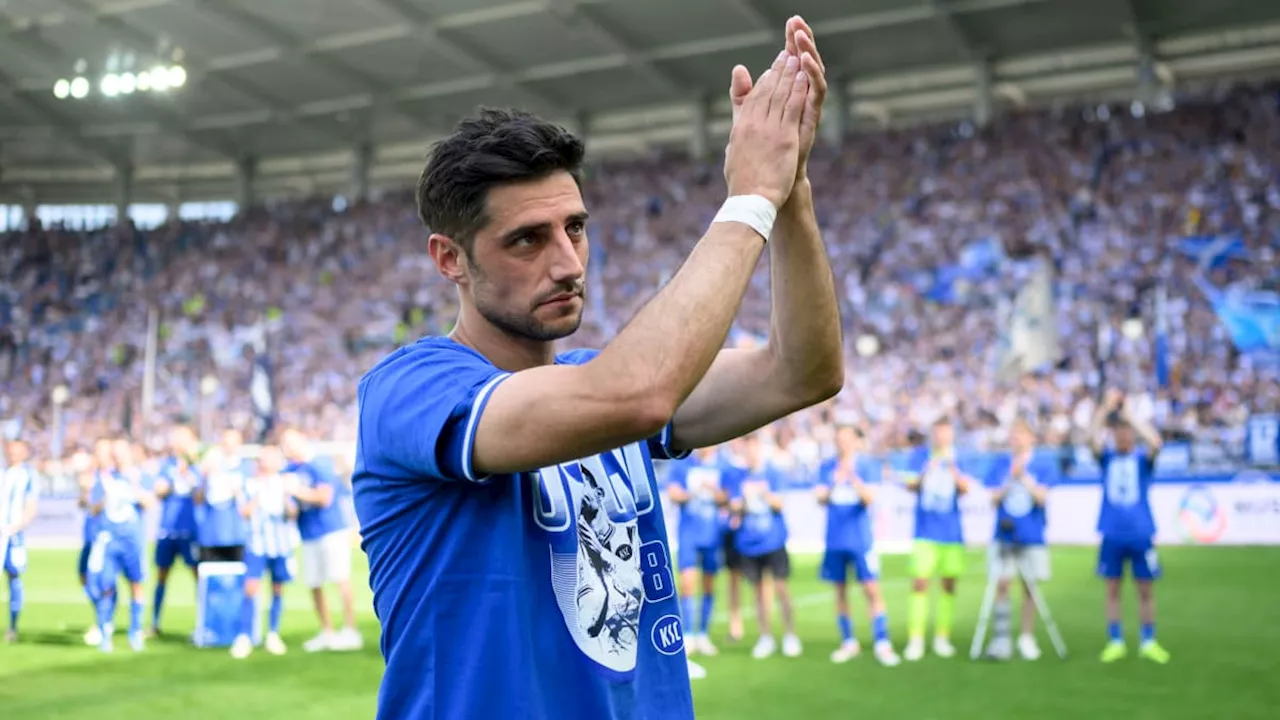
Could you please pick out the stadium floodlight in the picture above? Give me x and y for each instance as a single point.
(80, 88)
(62, 89)
(144, 81)
(159, 78)
(128, 83)
(177, 76)
(109, 85)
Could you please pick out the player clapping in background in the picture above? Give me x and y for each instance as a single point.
(326, 545)
(762, 540)
(698, 486)
(176, 537)
(19, 496)
(842, 488)
(1125, 520)
(220, 527)
(120, 497)
(1018, 544)
(273, 531)
(938, 549)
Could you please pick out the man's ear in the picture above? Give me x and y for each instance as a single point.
(451, 260)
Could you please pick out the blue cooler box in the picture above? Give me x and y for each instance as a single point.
(219, 597)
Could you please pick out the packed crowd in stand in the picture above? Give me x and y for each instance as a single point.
(326, 293)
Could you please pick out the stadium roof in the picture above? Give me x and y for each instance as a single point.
(304, 89)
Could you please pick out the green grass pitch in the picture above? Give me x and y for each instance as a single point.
(1219, 616)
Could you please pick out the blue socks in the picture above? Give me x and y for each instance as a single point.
(15, 602)
(846, 628)
(135, 616)
(1113, 632)
(247, 606)
(880, 627)
(277, 607)
(686, 613)
(157, 602)
(1148, 632)
(708, 604)
(106, 606)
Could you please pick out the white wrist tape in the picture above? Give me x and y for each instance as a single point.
(755, 211)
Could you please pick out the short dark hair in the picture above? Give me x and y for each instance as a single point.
(492, 147)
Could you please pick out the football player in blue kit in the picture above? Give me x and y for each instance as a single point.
(1125, 521)
(89, 474)
(844, 488)
(174, 489)
(19, 499)
(762, 541)
(506, 494)
(120, 496)
(698, 486)
(1018, 546)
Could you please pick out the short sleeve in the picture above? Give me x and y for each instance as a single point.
(660, 445)
(419, 411)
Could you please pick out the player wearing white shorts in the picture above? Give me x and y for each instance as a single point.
(1018, 545)
(326, 543)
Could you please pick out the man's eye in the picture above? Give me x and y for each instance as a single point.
(577, 227)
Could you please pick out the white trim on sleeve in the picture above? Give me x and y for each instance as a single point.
(473, 421)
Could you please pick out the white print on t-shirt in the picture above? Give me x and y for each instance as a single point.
(602, 586)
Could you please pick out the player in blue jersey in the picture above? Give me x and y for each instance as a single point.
(1018, 545)
(1125, 521)
(221, 530)
(844, 488)
(119, 496)
(938, 547)
(698, 486)
(175, 488)
(518, 556)
(273, 535)
(326, 542)
(19, 499)
(762, 541)
(88, 479)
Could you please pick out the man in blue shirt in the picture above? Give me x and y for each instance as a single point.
(1125, 521)
(938, 547)
(505, 492)
(698, 486)
(844, 488)
(19, 497)
(119, 497)
(175, 490)
(1018, 544)
(762, 541)
(326, 542)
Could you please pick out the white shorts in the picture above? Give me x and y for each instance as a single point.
(1003, 561)
(326, 559)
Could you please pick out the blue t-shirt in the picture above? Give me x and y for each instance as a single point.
(93, 521)
(539, 595)
(848, 518)
(315, 521)
(938, 502)
(763, 530)
(701, 518)
(1019, 519)
(178, 508)
(1126, 486)
(218, 519)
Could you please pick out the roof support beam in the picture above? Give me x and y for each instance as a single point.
(942, 11)
(433, 32)
(60, 125)
(573, 13)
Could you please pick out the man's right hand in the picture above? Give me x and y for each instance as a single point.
(764, 144)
